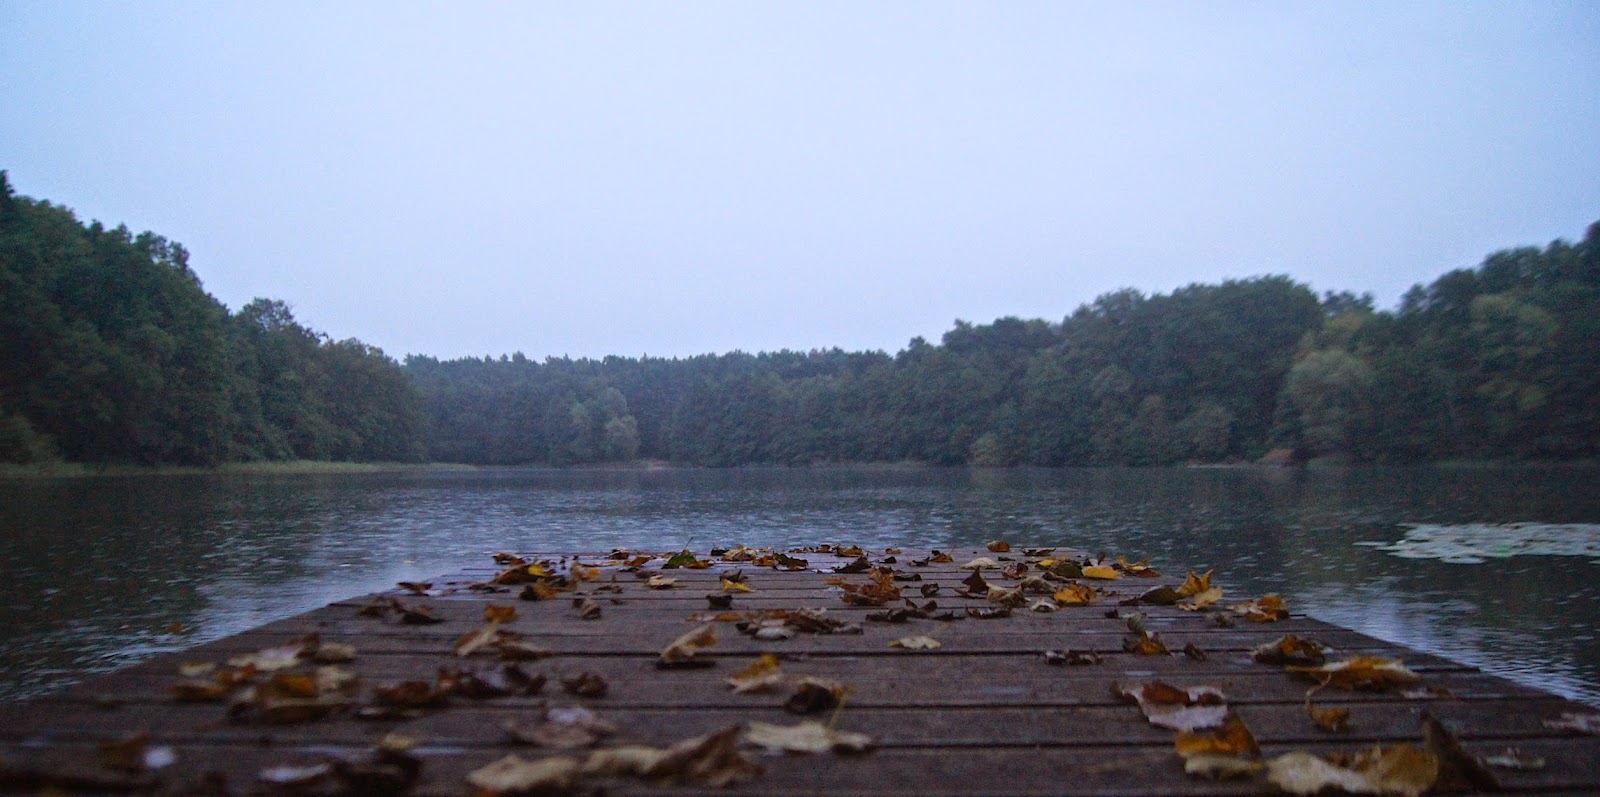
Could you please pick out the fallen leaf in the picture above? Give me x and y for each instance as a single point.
(685, 559)
(516, 775)
(1101, 572)
(813, 694)
(1201, 600)
(1291, 650)
(538, 591)
(1233, 738)
(981, 563)
(1399, 770)
(661, 582)
(1146, 644)
(760, 676)
(480, 639)
(1074, 594)
(1361, 672)
(1179, 709)
(806, 737)
(858, 565)
(1459, 770)
(585, 684)
(1045, 606)
(270, 659)
(1332, 720)
(998, 547)
(1193, 652)
(1266, 609)
(735, 586)
(497, 613)
(581, 572)
(1194, 585)
(588, 609)
(1073, 658)
(1159, 596)
(916, 643)
(686, 647)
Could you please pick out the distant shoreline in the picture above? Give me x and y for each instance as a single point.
(74, 470)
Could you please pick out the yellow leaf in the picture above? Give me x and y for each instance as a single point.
(760, 676)
(1074, 594)
(1194, 585)
(497, 613)
(1102, 572)
(735, 586)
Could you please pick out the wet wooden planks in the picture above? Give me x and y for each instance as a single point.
(983, 714)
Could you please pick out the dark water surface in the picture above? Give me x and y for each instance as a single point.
(95, 571)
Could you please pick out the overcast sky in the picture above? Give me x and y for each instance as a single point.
(679, 178)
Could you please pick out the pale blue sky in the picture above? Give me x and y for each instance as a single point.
(678, 178)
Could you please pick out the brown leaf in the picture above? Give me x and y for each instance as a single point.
(1168, 706)
(686, 647)
(588, 609)
(538, 591)
(1232, 738)
(1361, 672)
(499, 613)
(585, 684)
(1332, 720)
(1291, 650)
(519, 650)
(814, 694)
(1194, 585)
(1266, 609)
(998, 547)
(1146, 644)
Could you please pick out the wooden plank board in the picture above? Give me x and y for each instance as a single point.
(983, 714)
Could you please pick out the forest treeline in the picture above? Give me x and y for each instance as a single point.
(114, 353)
(111, 352)
(1497, 361)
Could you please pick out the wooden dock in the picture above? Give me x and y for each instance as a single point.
(986, 712)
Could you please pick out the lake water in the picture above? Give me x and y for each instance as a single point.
(97, 572)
